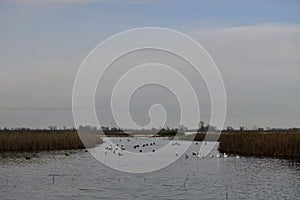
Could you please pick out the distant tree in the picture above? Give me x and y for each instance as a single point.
(52, 127)
(229, 128)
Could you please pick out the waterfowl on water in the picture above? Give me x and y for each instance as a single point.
(225, 155)
(238, 156)
(67, 154)
(186, 156)
(27, 158)
(218, 155)
(200, 155)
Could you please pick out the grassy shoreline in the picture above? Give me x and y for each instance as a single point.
(276, 144)
(45, 140)
(281, 144)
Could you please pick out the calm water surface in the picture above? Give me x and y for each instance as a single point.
(80, 176)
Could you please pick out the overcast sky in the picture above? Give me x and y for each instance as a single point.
(255, 44)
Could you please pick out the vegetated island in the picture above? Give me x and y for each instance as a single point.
(275, 143)
(34, 140)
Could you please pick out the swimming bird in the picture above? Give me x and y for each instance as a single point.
(218, 155)
(153, 150)
(211, 156)
(27, 158)
(186, 156)
(120, 154)
(67, 154)
(225, 155)
(141, 151)
(194, 154)
(237, 156)
(109, 147)
(200, 155)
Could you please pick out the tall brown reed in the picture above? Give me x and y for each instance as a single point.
(44, 140)
(255, 143)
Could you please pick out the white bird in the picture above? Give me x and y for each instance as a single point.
(225, 155)
(123, 148)
(218, 155)
(211, 156)
(109, 147)
(200, 155)
(237, 156)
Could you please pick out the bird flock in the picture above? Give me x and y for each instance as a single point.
(118, 148)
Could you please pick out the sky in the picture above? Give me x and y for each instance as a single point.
(255, 45)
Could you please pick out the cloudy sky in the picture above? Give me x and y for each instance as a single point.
(255, 44)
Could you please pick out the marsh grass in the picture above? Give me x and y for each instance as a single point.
(258, 143)
(44, 140)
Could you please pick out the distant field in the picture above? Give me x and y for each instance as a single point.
(44, 140)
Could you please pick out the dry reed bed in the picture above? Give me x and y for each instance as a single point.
(255, 143)
(44, 140)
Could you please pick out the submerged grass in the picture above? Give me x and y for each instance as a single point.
(45, 140)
